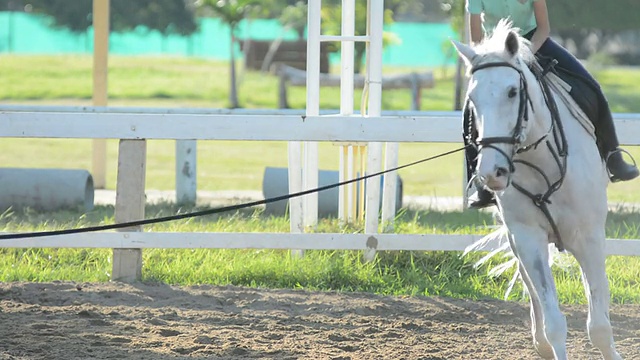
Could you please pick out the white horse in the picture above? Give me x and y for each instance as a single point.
(549, 179)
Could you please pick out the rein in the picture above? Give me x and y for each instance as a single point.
(557, 146)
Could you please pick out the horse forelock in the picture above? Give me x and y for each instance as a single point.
(493, 48)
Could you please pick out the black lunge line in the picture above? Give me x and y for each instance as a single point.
(212, 211)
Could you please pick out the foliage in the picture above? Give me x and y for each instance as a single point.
(420, 11)
(578, 21)
(273, 9)
(575, 20)
(294, 14)
(455, 9)
(401, 6)
(295, 17)
(612, 15)
(232, 12)
(166, 16)
(575, 16)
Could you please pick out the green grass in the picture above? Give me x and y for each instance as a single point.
(392, 273)
(174, 82)
(621, 87)
(179, 82)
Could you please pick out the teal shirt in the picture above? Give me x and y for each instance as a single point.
(520, 12)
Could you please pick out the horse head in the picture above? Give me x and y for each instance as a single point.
(499, 101)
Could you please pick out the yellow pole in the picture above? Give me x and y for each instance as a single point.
(100, 72)
(344, 211)
(363, 168)
(354, 190)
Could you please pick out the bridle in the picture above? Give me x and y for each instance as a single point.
(558, 149)
(518, 135)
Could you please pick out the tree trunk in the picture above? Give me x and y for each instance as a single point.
(273, 48)
(233, 91)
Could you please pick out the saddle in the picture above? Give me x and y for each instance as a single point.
(573, 89)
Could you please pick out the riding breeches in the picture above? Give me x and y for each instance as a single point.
(605, 131)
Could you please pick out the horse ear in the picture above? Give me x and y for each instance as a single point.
(511, 43)
(466, 52)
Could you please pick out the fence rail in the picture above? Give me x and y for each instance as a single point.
(315, 241)
(97, 123)
(137, 124)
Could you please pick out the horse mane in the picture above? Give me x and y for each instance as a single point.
(494, 46)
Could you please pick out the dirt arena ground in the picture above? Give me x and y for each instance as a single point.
(64, 320)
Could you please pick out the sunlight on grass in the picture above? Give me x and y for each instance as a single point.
(173, 82)
(191, 82)
(412, 273)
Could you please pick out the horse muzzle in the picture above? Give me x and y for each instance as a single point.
(497, 179)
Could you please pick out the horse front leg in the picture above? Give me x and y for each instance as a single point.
(530, 244)
(590, 254)
(540, 341)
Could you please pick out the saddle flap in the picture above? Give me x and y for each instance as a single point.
(576, 94)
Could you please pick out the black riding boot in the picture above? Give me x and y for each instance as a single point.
(605, 131)
(482, 198)
(619, 170)
(608, 144)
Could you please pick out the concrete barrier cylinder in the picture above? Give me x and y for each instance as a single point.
(46, 189)
(276, 183)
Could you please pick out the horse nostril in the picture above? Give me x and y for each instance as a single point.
(502, 171)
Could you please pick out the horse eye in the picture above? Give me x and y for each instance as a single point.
(513, 92)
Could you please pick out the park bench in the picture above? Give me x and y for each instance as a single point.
(290, 76)
(291, 53)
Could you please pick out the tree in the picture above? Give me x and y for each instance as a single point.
(232, 12)
(166, 16)
(577, 20)
(420, 11)
(292, 17)
(612, 15)
(295, 17)
(455, 10)
(293, 12)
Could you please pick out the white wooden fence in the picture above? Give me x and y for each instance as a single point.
(133, 126)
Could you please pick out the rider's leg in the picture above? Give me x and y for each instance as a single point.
(619, 170)
(604, 128)
(482, 197)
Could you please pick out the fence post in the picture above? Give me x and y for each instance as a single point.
(100, 78)
(130, 201)
(416, 92)
(375, 15)
(283, 103)
(186, 174)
